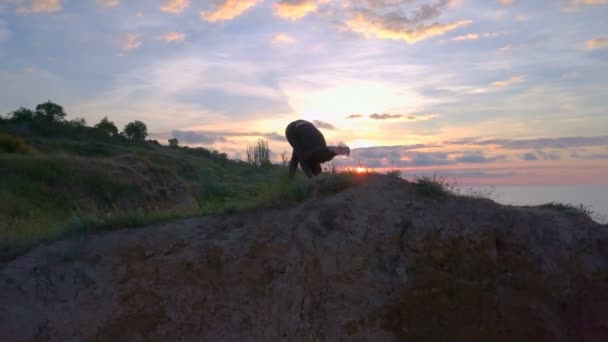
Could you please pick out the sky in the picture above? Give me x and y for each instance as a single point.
(492, 92)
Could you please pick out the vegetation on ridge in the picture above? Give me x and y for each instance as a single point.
(61, 178)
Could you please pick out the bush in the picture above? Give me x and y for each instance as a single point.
(258, 154)
(434, 185)
(136, 131)
(394, 173)
(12, 144)
(570, 209)
(106, 127)
(50, 111)
(21, 114)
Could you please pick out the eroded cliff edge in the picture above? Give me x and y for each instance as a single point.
(377, 262)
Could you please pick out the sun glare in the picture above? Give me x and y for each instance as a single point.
(360, 170)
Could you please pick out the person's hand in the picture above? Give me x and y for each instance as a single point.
(344, 150)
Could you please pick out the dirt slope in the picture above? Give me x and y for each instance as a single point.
(379, 262)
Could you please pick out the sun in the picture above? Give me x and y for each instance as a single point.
(360, 170)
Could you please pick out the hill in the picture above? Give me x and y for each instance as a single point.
(385, 260)
(61, 179)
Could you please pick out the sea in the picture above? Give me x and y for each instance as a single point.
(591, 197)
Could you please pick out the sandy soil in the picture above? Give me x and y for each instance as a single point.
(379, 262)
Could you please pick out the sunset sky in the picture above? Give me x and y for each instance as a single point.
(489, 92)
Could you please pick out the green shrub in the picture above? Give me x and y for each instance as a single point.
(570, 209)
(12, 144)
(434, 185)
(394, 173)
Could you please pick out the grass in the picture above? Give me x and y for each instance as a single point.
(434, 186)
(394, 173)
(69, 188)
(13, 144)
(575, 210)
(439, 186)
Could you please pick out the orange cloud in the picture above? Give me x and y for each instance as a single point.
(228, 10)
(509, 81)
(589, 2)
(361, 24)
(282, 38)
(109, 3)
(506, 2)
(294, 9)
(469, 36)
(473, 36)
(175, 6)
(597, 43)
(38, 6)
(174, 37)
(130, 41)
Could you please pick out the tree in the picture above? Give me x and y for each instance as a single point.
(136, 131)
(77, 123)
(21, 114)
(258, 154)
(50, 111)
(106, 127)
(173, 143)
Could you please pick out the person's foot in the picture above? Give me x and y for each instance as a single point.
(343, 150)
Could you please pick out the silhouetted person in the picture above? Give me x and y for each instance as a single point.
(309, 148)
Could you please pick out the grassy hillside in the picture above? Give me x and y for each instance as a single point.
(56, 185)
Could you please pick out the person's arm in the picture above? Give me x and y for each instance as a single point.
(293, 165)
(306, 167)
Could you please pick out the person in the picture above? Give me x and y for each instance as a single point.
(309, 148)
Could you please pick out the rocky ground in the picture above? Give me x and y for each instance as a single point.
(378, 262)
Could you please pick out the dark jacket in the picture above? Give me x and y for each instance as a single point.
(309, 148)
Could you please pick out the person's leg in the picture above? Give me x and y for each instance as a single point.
(293, 165)
(306, 167)
(316, 169)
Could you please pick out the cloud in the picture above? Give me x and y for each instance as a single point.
(412, 156)
(429, 159)
(570, 75)
(38, 6)
(354, 116)
(196, 137)
(175, 6)
(228, 10)
(541, 143)
(468, 36)
(130, 41)
(589, 2)
(474, 36)
(174, 37)
(5, 33)
(510, 81)
(109, 3)
(396, 30)
(421, 117)
(506, 2)
(476, 158)
(209, 137)
(460, 174)
(595, 156)
(385, 116)
(506, 48)
(597, 43)
(322, 124)
(539, 155)
(574, 5)
(281, 38)
(294, 9)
